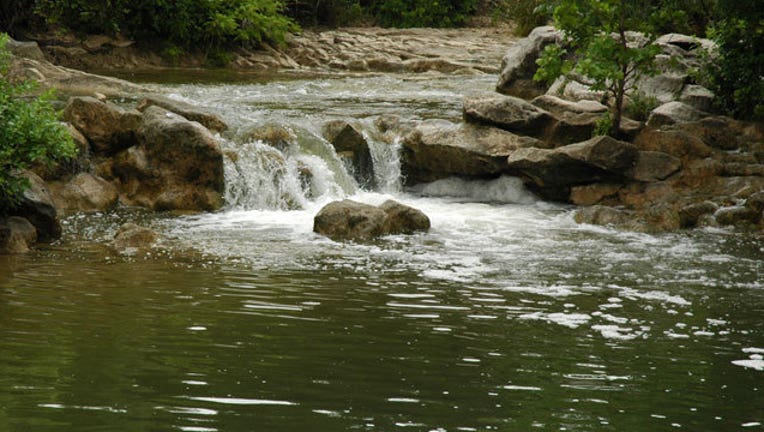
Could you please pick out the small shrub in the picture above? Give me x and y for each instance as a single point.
(525, 14)
(640, 106)
(30, 133)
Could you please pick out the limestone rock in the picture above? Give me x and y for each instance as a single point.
(84, 193)
(737, 215)
(351, 220)
(673, 113)
(108, 127)
(351, 146)
(403, 219)
(437, 149)
(676, 143)
(697, 97)
(602, 215)
(593, 194)
(37, 207)
(16, 235)
(519, 63)
(177, 165)
(654, 166)
(29, 50)
(690, 215)
(561, 107)
(190, 112)
(507, 112)
(552, 172)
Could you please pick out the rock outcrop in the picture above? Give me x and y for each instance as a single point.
(351, 220)
(353, 149)
(190, 112)
(177, 165)
(84, 193)
(109, 128)
(37, 207)
(438, 149)
(519, 63)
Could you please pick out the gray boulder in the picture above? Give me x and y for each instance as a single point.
(351, 220)
(109, 128)
(28, 50)
(437, 149)
(507, 112)
(697, 97)
(519, 64)
(177, 165)
(674, 113)
(190, 112)
(352, 148)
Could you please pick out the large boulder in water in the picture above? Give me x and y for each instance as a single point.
(351, 220)
(108, 127)
(519, 64)
(438, 149)
(551, 173)
(177, 165)
(353, 149)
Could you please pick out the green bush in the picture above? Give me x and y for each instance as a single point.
(29, 133)
(422, 13)
(191, 24)
(525, 14)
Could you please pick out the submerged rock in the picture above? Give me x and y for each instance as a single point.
(351, 220)
(17, 235)
(132, 238)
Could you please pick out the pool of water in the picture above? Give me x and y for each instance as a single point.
(505, 316)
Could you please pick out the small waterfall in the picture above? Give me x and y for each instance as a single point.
(387, 162)
(284, 173)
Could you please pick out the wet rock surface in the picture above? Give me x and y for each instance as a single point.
(351, 220)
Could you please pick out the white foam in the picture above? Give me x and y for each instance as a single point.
(505, 190)
(750, 364)
(573, 320)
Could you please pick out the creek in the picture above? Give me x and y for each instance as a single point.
(506, 316)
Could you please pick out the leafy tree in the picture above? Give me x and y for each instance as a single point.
(29, 133)
(737, 76)
(422, 13)
(598, 32)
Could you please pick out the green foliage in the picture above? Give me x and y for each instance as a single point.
(422, 13)
(326, 12)
(737, 75)
(191, 24)
(692, 17)
(526, 14)
(29, 133)
(597, 32)
(640, 106)
(604, 125)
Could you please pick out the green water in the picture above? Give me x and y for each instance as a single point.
(506, 316)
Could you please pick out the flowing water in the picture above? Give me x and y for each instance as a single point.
(505, 316)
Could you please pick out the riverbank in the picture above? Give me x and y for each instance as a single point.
(363, 49)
